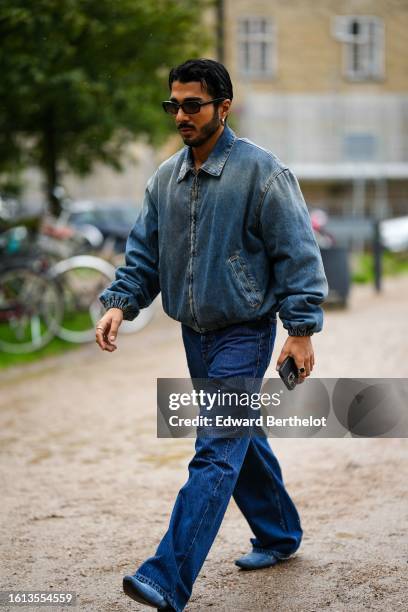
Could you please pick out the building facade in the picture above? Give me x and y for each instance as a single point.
(324, 85)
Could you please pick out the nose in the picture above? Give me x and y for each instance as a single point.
(181, 115)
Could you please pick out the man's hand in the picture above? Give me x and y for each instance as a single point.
(301, 349)
(107, 329)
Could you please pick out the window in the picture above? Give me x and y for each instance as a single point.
(256, 47)
(363, 46)
(360, 147)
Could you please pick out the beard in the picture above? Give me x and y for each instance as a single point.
(206, 131)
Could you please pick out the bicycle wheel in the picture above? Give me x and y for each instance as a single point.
(31, 308)
(81, 279)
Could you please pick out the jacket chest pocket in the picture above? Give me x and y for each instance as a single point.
(245, 280)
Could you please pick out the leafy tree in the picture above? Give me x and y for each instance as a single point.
(81, 78)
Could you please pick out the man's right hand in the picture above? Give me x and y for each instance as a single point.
(107, 329)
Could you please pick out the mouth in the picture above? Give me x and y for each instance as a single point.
(185, 130)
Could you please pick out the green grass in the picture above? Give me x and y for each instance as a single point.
(77, 321)
(56, 346)
(363, 266)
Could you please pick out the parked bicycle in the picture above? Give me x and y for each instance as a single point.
(43, 295)
(31, 304)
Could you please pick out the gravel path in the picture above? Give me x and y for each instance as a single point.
(87, 488)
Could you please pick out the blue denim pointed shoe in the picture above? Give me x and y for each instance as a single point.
(256, 560)
(144, 593)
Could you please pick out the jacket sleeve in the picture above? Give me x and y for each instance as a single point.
(297, 272)
(137, 282)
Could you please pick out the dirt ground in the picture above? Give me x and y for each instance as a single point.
(87, 488)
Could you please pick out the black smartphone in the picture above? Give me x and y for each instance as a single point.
(289, 373)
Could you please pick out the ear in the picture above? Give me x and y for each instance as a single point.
(225, 107)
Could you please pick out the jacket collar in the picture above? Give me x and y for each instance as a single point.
(215, 162)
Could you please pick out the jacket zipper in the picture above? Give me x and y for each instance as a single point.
(193, 223)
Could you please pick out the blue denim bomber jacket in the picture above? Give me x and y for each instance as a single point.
(230, 243)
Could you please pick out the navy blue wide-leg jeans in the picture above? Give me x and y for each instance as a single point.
(242, 467)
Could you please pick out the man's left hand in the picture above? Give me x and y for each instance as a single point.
(301, 349)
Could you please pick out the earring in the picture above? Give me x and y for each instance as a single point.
(222, 120)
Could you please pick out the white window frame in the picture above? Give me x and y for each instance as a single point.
(254, 43)
(367, 46)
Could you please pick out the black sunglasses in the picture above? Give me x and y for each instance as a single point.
(190, 107)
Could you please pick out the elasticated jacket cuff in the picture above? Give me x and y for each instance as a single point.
(115, 301)
(300, 331)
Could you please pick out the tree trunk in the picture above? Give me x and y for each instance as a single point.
(49, 161)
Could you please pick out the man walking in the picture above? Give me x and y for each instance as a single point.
(225, 235)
